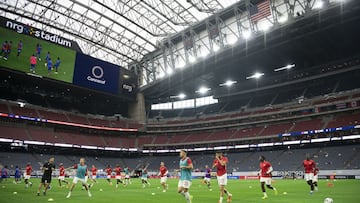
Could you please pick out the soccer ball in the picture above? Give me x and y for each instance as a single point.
(328, 200)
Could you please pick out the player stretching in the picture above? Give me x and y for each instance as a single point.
(93, 175)
(144, 177)
(108, 171)
(163, 176)
(81, 170)
(316, 178)
(27, 175)
(127, 175)
(184, 184)
(265, 176)
(118, 177)
(47, 169)
(220, 163)
(62, 175)
(207, 177)
(309, 166)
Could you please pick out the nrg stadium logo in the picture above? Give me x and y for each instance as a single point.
(27, 30)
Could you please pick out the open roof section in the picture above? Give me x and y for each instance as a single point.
(121, 32)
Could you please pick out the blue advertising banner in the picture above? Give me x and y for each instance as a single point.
(96, 74)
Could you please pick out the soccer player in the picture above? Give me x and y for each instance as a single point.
(4, 173)
(27, 175)
(8, 50)
(20, 47)
(62, 175)
(47, 169)
(17, 175)
(38, 51)
(184, 184)
(56, 65)
(118, 177)
(81, 170)
(220, 163)
(108, 171)
(207, 178)
(144, 177)
(309, 166)
(163, 176)
(127, 175)
(4, 48)
(47, 57)
(49, 65)
(265, 176)
(316, 178)
(33, 62)
(93, 174)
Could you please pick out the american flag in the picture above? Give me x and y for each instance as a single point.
(260, 11)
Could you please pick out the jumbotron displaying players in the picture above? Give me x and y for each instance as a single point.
(81, 170)
(220, 163)
(265, 176)
(20, 47)
(47, 169)
(184, 184)
(27, 175)
(163, 172)
(144, 177)
(207, 177)
(62, 175)
(108, 171)
(309, 166)
(118, 176)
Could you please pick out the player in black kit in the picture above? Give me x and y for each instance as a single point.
(47, 168)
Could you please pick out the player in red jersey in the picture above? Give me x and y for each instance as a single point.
(315, 178)
(62, 174)
(163, 172)
(309, 166)
(108, 171)
(27, 175)
(220, 163)
(265, 176)
(118, 176)
(93, 174)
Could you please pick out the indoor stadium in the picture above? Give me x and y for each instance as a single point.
(187, 101)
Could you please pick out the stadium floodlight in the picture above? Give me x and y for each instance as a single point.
(318, 4)
(182, 96)
(192, 59)
(169, 71)
(232, 40)
(246, 34)
(256, 75)
(265, 27)
(203, 90)
(287, 67)
(216, 48)
(228, 83)
(181, 65)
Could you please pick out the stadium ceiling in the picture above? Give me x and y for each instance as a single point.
(121, 32)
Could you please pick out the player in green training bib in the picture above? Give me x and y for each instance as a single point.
(81, 171)
(186, 167)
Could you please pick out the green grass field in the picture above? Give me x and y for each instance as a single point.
(21, 63)
(343, 191)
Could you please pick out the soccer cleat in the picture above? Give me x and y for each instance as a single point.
(275, 191)
(44, 193)
(264, 197)
(69, 195)
(316, 189)
(229, 198)
(191, 198)
(210, 189)
(164, 190)
(38, 194)
(89, 194)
